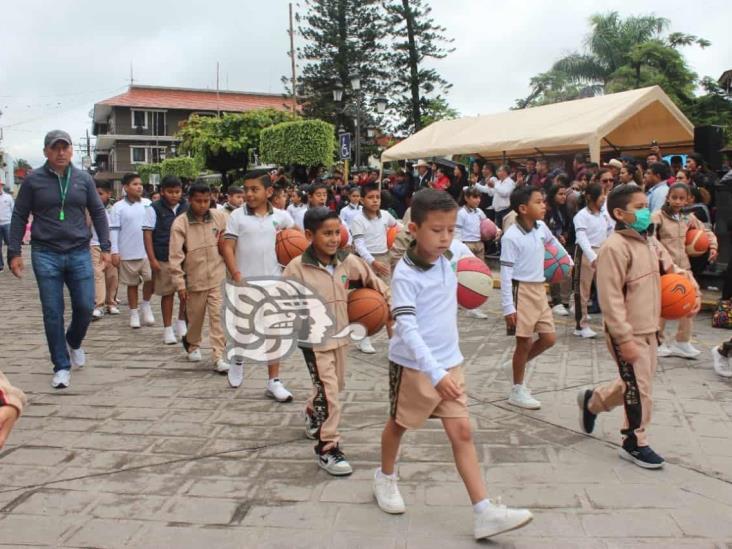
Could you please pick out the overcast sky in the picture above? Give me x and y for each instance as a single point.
(58, 58)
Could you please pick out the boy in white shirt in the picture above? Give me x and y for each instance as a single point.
(426, 376)
(353, 208)
(106, 278)
(128, 248)
(249, 250)
(523, 296)
(368, 230)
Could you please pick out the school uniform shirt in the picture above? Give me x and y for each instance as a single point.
(591, 229)
(522, 258)
(467, 228)
(6, 208)
(95, 238)
(424, 308)
(610, 221)
(350, 211)
(369, 235)
(125, 226)
(255, 239)
(298, 215)
(195, 261)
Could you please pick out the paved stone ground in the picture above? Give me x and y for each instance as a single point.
(147, 450)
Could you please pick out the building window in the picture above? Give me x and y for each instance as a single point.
(156, 154)
(157, 119)
(139, 119)
(146, 155)
(138, 155)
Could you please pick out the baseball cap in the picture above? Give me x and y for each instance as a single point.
(56, 135)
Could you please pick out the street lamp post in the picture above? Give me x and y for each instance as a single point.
(356, 86)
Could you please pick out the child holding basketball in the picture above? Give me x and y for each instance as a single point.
(249, 250)
(330, 272)
(369, 240)
(426, 376)
(671, 225)
(591, 228)
(629, 265)
(467, 229)
(523, 297)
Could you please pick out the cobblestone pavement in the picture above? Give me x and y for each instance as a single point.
(147, 450)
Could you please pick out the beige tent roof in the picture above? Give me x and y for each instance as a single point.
(626, 120)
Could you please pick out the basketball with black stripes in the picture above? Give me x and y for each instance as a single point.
(475, 282)
(368, 307)
(289, 243)
(678, 296)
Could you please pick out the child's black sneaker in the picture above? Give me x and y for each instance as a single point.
(642, 456)
(587, 418)
(311, 427)
(334, 462)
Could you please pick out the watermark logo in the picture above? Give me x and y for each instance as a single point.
(267, 318)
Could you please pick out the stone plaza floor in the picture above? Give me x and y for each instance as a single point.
(147, 450)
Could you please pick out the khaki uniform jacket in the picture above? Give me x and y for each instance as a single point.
(195, 261)
(672, 234)
(629, 266)
(333, 289)
(11, 396)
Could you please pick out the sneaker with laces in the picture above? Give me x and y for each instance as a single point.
(663, 350)
(113, 309)
(169, 336)
(642, 456)
(585, 333)
(311, 428)
(521, 396)
(181, 328)
(684, 350)
(76, 356)
(334, 462)
(365, 346)
(497, 519)
(722, 364)
(235, 374)
(97, 313)
(587, 418)
(194, 356)
(134, 318)
(386, 492)
(221, 366)
(476, 313)
(148, 318)
(61, 379)
(276, 390)
(560, 310)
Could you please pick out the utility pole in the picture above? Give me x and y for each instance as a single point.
(218, 111)
(292, 62)
(132, 77)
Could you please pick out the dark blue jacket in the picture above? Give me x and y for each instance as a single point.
(164, 220)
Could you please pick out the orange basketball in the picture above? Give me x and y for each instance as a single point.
(697, 243)
(391, 233)
(368, 307)
(289, 243)
(344, 236)
(678, 296)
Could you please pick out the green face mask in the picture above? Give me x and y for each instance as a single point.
(642, 219)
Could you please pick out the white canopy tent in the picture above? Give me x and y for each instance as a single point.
(623, 121)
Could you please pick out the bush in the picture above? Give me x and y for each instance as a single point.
(302, 142)
(184, 167)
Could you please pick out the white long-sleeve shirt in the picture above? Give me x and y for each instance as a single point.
(6, 208)
(369, 235)
(502, 194)
(467, 228)
(592, 230)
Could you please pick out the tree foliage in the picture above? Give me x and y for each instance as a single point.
(302, 142)
(714, 107)
(185, 168)
(22, 164)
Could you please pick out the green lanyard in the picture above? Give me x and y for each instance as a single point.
(63, 189)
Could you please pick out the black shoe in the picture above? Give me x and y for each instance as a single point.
(185, 343)
(587, 418)
(642, 456)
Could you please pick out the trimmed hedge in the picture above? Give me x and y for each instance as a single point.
(302, 142)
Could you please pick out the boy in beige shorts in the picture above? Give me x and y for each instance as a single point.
(523, 296)
(425, 371)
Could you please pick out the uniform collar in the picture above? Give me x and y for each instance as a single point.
(413, 259)
(247, 211)
(524, 231)
(207, 217)
(309, 257)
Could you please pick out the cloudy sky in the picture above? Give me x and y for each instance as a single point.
(58, 58)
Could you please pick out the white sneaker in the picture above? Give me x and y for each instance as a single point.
(77, 357)
(61, 379)
(386, 492)
(134, 318)
(497, 519)
(334, 462)
(194, 356)
(365, 346)
(148, 318)
(221, 366)
(113, 309)
(236, 374)
(586, 333)
(560, 310)
(521, 396)
(277, 391)
(684, 350)
(477, 313)
(664, 350)
(97, 313)
(169, 336)
(311, 429)
(722, 364)
(181, 328)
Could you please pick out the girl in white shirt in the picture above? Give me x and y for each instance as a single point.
(297, 207)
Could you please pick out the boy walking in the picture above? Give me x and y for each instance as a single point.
(629, 289)
(425, 364)
(156, 234)
(128, 248)
(106, 277)
(197, 271)
(330, 272)
(523, 297)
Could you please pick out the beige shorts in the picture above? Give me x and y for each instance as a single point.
(386, 260)
(163, 280)
(533, 314)
(413, 399)
(478, 249)
(134, 271)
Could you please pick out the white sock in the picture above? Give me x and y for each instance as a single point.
(133, 310)
(481, 506)
(145, 304)
(380, 473)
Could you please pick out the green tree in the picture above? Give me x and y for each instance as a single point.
(22, 164)
(435, 109)
(416, 90)
(303, 142)
(714, 107)
(185, 168)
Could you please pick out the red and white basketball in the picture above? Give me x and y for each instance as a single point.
(697, 243)
(344, 236)
(475, 282)
(488, 230)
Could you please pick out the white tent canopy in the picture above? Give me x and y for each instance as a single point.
(627, 121)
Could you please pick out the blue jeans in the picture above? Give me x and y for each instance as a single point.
(4, 237)
(53, 270)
